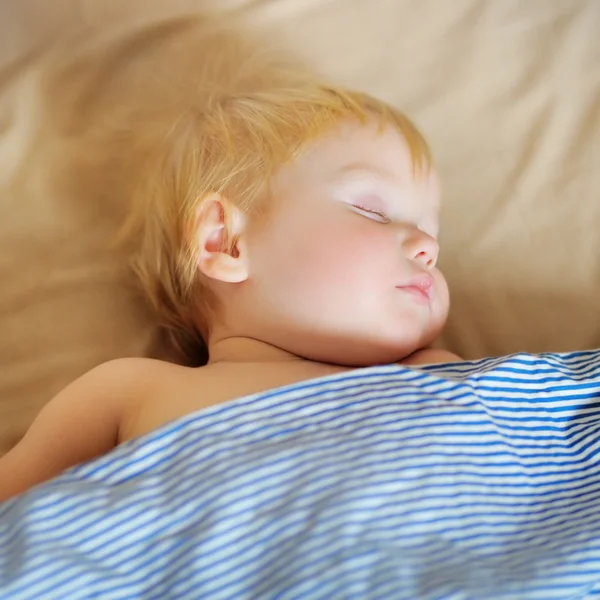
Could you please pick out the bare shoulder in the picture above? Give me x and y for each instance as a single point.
(88, 417)
(131, 373)
(125, 385)
(137, 386)
(431, 356)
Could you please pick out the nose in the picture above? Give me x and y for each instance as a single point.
(422, 248)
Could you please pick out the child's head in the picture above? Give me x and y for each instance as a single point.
(300, 215)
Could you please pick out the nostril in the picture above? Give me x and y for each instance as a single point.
(425, 259)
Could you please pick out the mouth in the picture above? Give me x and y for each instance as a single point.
(421, 288)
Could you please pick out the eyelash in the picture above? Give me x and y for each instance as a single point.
(384, 218)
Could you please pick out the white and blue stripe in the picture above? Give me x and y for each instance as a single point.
(470, 480)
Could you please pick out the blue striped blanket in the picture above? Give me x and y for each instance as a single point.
(474, 480)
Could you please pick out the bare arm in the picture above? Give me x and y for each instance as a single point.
(78, 424)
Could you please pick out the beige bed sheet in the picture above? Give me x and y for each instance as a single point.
(507, 91)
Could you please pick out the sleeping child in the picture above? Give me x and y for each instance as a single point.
(286, 226)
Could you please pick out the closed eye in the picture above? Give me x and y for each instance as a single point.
(374, 215)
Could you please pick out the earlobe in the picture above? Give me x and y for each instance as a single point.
(219, 238)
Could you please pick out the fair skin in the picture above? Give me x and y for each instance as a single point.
(341, 273)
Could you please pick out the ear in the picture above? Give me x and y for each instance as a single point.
(218, 235)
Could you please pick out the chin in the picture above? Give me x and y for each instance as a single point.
(356, 349)
(362, 353)
(396, 350)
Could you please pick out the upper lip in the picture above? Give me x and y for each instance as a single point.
(423, 282)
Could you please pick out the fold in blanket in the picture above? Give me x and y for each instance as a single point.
(471, 480)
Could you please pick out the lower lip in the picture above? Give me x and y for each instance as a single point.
(419, 294)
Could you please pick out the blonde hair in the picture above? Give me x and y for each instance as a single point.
(247, 115)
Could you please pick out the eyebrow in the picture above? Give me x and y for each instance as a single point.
(365, 166)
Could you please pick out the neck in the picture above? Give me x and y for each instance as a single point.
(242, 349)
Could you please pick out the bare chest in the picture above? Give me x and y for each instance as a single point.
(198, 389)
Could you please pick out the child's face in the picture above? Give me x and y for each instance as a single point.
(343, 270)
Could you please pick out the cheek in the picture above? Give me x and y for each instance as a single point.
(350, 255)
(443, 294)
(312, 259)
